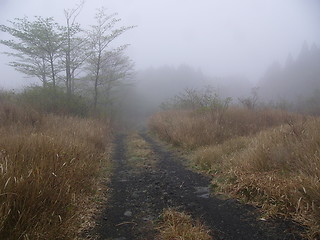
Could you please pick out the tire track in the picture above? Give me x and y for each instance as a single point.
(139, 197)
(228, 219)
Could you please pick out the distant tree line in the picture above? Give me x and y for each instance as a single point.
(80, 61)
(297, 78)
(296, 84)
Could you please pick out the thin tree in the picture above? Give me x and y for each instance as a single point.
(75, 46)
(100, 37)
(117, 68)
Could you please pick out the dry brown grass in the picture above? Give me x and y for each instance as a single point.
(219, 157)
(180, 226)
(48, 164)
(276, 169)
(280, 170)
(276, 164)
(192, 129)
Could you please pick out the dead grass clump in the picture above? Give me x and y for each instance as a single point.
(280, 170)
(44, 172)
(192, 129)
(291, 148)
(180, 226)
(11, 113)
(218, 157)
(246, 122)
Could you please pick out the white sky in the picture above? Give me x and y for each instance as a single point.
(221, 37)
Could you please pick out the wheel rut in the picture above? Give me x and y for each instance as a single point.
(139, 197)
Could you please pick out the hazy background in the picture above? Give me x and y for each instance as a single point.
(218, 38)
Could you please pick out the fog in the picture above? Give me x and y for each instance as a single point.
(228, 43)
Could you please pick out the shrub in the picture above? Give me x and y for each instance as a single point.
(200, 100)
(54, 100)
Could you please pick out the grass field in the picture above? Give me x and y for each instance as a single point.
(49, 166)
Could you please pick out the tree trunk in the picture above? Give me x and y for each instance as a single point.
(68, 60)
(95, 100)
(52, 72)
(68, 73)
(44, 75)
(72, 81)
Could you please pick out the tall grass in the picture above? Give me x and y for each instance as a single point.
(280, 169)
(270, 158)
(47, 165)
(192, 129)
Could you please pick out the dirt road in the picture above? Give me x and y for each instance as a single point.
(141, 191)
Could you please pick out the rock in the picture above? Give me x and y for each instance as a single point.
(148, 218)
(128, 213)
(206, 195)
(202, 190)
(135, 194)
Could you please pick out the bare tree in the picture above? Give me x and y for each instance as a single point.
(250, 102)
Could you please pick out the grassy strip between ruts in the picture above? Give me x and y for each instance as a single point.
(49, 167)
(139, 154)
(275, 165)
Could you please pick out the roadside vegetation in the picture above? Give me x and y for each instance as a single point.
(56, 138)
(176, 225)
(50, 166)
(264, 156)
(69, 60)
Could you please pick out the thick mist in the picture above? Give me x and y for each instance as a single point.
(161, 119)
(232, 46)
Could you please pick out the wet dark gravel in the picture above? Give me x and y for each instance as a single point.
(138, 198)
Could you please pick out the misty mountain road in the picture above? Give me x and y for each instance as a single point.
(139, 197)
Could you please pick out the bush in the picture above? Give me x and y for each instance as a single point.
(204, 100)
(54, 100)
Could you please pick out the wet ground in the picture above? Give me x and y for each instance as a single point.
(139, 197)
